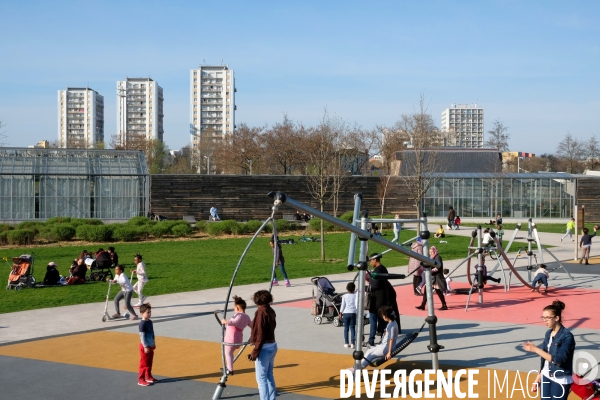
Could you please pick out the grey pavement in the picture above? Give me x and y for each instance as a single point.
(189, 316)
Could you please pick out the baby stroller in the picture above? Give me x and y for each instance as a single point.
(587, 390)
(100, 268)
(327, 301)
(21, 274)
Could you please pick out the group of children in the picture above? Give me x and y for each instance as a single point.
(127, 289)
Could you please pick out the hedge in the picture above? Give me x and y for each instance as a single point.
(62, 232)
(126, 233)
(159, 230)
(21, 236)
(182, 230)
(95, 233)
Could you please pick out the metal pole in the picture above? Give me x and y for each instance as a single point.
(529, 251)
(362, 234)
(480, 266)
(355, 216)
(358, 353)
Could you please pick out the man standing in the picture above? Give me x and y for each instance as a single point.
(451, 216)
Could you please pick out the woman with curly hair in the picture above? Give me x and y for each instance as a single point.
(262, 338)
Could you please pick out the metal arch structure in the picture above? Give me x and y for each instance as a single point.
(364, 236)
(223, 381)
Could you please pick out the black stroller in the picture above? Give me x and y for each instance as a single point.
(100, 268)
(326, 302)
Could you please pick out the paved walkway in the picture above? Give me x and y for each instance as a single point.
(68, 352)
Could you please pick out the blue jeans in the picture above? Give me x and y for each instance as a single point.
(282, 268)
(542, 278)
(375, 322)
(264, 373)
(552, 390)
(349, 322)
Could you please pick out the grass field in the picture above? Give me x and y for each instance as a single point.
(187, 265)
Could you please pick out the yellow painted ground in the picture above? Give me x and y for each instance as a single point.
(301, 372)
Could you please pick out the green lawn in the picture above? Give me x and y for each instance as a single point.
(550, 228)
(187, 265)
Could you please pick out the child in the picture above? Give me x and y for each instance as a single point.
(140, 271)
(440, 232)
(348, 313)
(234, 333)
(570, 230)
(147, 347)
(486, 277)
(125, 292)
(457, 222)
(448, 280)
(499, 233)
(541, 276)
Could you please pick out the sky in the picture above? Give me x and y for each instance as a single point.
(534, 65)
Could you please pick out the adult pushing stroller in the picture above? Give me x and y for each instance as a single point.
(326, 302)
(21, 274)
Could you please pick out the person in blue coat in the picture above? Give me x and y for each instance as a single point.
(556, 352)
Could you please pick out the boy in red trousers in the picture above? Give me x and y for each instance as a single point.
(147, 347)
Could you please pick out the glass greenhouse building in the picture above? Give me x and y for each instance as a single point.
(46, 183)
(528, 195)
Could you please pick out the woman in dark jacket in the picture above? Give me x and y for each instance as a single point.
(262, 338)
(439, 282)
(52, 275)
(556, 354)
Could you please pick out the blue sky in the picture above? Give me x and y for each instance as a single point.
(534, 65)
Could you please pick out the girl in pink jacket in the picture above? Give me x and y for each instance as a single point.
(234, 331)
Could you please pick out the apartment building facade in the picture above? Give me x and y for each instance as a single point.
(463, 125)
(212, 110)
(80, 118)
(140, 112)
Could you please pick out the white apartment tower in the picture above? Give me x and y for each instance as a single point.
(80, 118)
(212, 107)
(139, 110)
(464, 124)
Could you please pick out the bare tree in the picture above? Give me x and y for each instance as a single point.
(154, 150)
(592, 153)
(182, 162)
(283, 147)
(240, 152)
(571, 151)
(499, 137)
(382, 191)
(3, 135)
(389, 141)
(421, 161)
(321, 146)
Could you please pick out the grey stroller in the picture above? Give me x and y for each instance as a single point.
(326, 302)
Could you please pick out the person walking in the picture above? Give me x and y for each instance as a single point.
(451, 216)
(348, 312)
(146, 347)
(439, 282)
(397, 227)
(586, 244)
(570, 230)
(142, 279)
(279, 261)
(262, 338)
(415, 265)
(556, 353)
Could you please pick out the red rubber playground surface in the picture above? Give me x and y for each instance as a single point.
(518, 305)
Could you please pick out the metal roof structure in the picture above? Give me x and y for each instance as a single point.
(511, 175)
(26, 161)
(45, 183)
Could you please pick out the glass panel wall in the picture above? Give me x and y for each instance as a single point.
(510, 197)
(17, 197)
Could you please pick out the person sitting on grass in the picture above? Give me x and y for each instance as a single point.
(440, 232)
(78, 271)
(541, 276)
